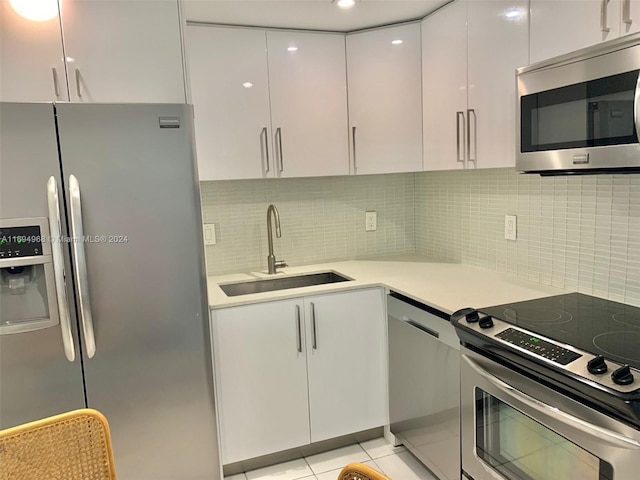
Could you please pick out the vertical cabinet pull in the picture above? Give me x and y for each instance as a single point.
(279, 143)
(604, 4)
(459, 137)
(298, 330)
(78, 89)
(353, 144)
(56, 84)
(314, 342)
(471, 157)
(264, 144)
(626, 12)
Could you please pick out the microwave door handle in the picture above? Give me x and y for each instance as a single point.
(80, 266)
(615, 438)
(58, 269)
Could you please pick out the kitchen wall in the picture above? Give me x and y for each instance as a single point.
(322, 219)
(581, 233)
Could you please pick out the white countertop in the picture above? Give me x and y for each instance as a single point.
(444, 286)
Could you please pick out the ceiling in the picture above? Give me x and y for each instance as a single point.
(308, 14)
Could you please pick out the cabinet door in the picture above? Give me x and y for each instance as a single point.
(630, 16)
(307, 81)
(261, 379)
(497, 45)
(444, 87)
(230, 94)
(385, 106)
(123, 51)
(562, 26)
(31, 56)
(346, 358)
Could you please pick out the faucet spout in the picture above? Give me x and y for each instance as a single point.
(272, 211)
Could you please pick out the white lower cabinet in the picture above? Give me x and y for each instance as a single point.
(292, 372)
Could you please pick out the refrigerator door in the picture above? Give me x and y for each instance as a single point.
(132, 189)
(37, 379)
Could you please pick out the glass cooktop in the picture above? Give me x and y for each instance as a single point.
(592, 324)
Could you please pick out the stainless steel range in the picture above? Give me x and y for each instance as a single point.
(550, 389)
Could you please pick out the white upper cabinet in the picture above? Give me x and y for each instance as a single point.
(562, 26)
(497, 46)
(31, 56)
(123, 51)
(230, 93)
(471, 50)
(444, 87)
(307, 82)
(385, 104)
(268, 104)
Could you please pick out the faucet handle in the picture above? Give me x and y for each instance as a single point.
(281, 264)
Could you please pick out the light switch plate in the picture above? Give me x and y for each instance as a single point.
(510, 227)
(370, 221)
(209, 232)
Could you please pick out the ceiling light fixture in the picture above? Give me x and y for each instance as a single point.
(292, 49)
(36, 10)
(396, 42)
(345, 3)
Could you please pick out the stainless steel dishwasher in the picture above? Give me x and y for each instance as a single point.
(424, 384)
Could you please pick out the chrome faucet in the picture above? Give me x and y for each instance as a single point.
(271, 259)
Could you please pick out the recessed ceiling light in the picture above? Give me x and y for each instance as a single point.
(514, 13)
(36, 10)
(345, 3)
(396, 42)
(292, 49)
(247, 84)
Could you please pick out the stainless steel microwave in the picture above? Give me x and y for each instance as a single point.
(580, 112)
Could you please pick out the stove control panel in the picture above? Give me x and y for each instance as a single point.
(593, 369)
(538, 346)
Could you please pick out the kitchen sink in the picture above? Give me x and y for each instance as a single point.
(283, 283)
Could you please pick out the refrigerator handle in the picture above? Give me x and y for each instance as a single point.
(80, 266)
(58, 269)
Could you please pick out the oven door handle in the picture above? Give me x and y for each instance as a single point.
(554, 412)
(636, 107)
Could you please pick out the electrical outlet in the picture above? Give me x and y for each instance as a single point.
(510, 227)
(209, 232)
(370, 221)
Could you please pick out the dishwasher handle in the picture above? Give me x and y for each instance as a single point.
(428, 330)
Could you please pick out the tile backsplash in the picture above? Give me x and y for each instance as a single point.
(577, 232)
(322, 219)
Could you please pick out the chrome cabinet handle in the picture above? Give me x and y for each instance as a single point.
(279, 140)
(459, 149)
(58, 269)
(264, 143)
(314, 337)
(626, 12)
(553, 412)
(472, 158)
(80, 266)
(78, 90)
(353, 144)
(603, 16)
(298, 330)
(56, 84)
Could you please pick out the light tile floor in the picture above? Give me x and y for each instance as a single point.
(395, 462)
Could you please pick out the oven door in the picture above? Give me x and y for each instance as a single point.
(517, 429)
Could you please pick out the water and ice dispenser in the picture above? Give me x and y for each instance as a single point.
(27, 285)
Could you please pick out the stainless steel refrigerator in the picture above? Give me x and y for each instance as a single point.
(102, 280)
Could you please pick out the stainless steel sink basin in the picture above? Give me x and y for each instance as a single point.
(283, 283)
